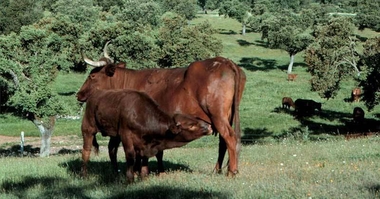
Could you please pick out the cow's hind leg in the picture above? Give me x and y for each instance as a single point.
(228, 140)
(113, 145)
(221, 154)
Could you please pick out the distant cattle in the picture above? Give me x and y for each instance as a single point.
(136, 120)
(209, 89)
(355, 95)
(306, 107)
(287, 102)
(358, 115)
(292, 77)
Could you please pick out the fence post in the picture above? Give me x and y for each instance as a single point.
(22, 144)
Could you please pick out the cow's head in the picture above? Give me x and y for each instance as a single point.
(99, 77)
(190, 128)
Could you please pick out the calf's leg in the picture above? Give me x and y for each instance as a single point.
(144, 168)
(112, 151)
(130, 155)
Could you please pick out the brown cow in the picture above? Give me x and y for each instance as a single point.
(135, 119)
(355, 95)
(287, 102)
(210, 89)
(292, 77)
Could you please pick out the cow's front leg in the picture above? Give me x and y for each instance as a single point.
(87, 145)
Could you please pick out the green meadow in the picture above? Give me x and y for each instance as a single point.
(281, 157)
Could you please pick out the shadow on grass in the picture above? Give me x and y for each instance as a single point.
(256, 63)
(374, 189)
(30, 151)
(162, 192)
(15, 151)
(251, 136)
(226, 32)
(103, 171)
(56, 187)
(311, 130)
(242, 42)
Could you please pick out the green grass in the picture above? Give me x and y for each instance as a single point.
(323, 169)
(283, 158)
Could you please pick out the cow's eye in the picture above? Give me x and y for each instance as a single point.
(92, 76)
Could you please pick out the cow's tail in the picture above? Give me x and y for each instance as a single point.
(240, 80)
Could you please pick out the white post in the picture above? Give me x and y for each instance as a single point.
(22, 144)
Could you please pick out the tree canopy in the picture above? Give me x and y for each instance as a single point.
(40, 38)
(141, 34)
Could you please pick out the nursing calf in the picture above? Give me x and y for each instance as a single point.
(136, 120)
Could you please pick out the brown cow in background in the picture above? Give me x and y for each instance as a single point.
(209, 89)
(135, 119)
(292, 77)
(287, 102)
(355, 95)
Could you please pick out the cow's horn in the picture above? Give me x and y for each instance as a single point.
(94, 63)
(105, 52)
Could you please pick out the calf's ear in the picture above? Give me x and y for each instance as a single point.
(175, 129)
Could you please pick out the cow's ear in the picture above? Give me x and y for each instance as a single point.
(121, 65)
(110, 69)
(175, 129)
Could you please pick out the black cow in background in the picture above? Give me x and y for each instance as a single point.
(305, 107)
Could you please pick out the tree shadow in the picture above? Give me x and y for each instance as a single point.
(223, 31)
(256, 63)
(30, 151)
(242, 42)
(261, 43)
(374, 189)
(56, 187)
(48, 187)
(15, 151)
(347, 124)
(251, 136)
(164, 192)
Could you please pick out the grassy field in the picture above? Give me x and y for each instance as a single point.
(282, 157)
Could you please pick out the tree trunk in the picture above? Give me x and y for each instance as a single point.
(243, 31)
(290, 67)
(46, 131)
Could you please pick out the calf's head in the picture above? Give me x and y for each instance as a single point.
(189, 128)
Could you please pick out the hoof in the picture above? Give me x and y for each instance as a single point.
(232, 173)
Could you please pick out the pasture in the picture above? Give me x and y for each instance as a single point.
(282, 157)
